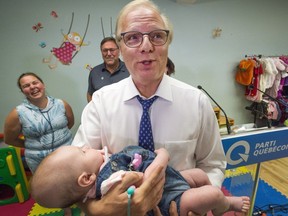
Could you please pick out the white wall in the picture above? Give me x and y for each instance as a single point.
(248, 27)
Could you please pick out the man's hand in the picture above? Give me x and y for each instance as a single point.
(115, 201)
(146, 196)
(149, 194)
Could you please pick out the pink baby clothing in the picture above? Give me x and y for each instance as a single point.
(92, 192)
(114, 178)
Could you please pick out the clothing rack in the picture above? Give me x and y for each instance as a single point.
(250, 56)
(260, 56)
(256, 107)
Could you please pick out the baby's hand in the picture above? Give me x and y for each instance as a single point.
(163, 153)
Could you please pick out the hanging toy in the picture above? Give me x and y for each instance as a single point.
(70, 46)
(64, 54)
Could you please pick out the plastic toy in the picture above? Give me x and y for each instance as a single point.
(13, 181)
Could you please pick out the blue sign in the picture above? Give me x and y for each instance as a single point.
(255, 147)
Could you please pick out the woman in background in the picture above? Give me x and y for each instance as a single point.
(44, 121)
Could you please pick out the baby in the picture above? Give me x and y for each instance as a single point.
(80, 173)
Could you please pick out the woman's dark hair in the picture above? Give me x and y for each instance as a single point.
(170, 67)
(28, 74)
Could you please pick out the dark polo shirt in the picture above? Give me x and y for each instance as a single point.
(100, 77)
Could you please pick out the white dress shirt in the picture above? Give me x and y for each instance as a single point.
(182, 119)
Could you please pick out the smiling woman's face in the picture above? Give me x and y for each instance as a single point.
(32, 87)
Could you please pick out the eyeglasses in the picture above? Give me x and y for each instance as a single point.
(134, 39)
(112, 50)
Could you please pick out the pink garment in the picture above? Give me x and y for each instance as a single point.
(114, 178)
(64, 53)
(92, 192)
(117, 176)
(272, 110)
(284, 58)
(280, 88)
(273, 91)
(108, 183)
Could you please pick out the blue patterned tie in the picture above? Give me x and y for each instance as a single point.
(145, 130)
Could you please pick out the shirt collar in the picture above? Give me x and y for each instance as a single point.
(164, 89)
(119, 68)
(50, 104)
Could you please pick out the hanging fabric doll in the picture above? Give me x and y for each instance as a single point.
(72, 42)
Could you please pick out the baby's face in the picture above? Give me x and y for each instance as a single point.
(92, 158)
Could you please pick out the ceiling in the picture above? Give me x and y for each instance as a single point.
(194, 1)
(186, 1)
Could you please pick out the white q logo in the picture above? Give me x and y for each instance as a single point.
(243, 157)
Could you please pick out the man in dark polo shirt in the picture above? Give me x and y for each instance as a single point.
(110, 71)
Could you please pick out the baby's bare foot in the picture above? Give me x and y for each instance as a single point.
(239, 204)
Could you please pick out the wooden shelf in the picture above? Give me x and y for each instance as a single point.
(222, 121)
(221, 118)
